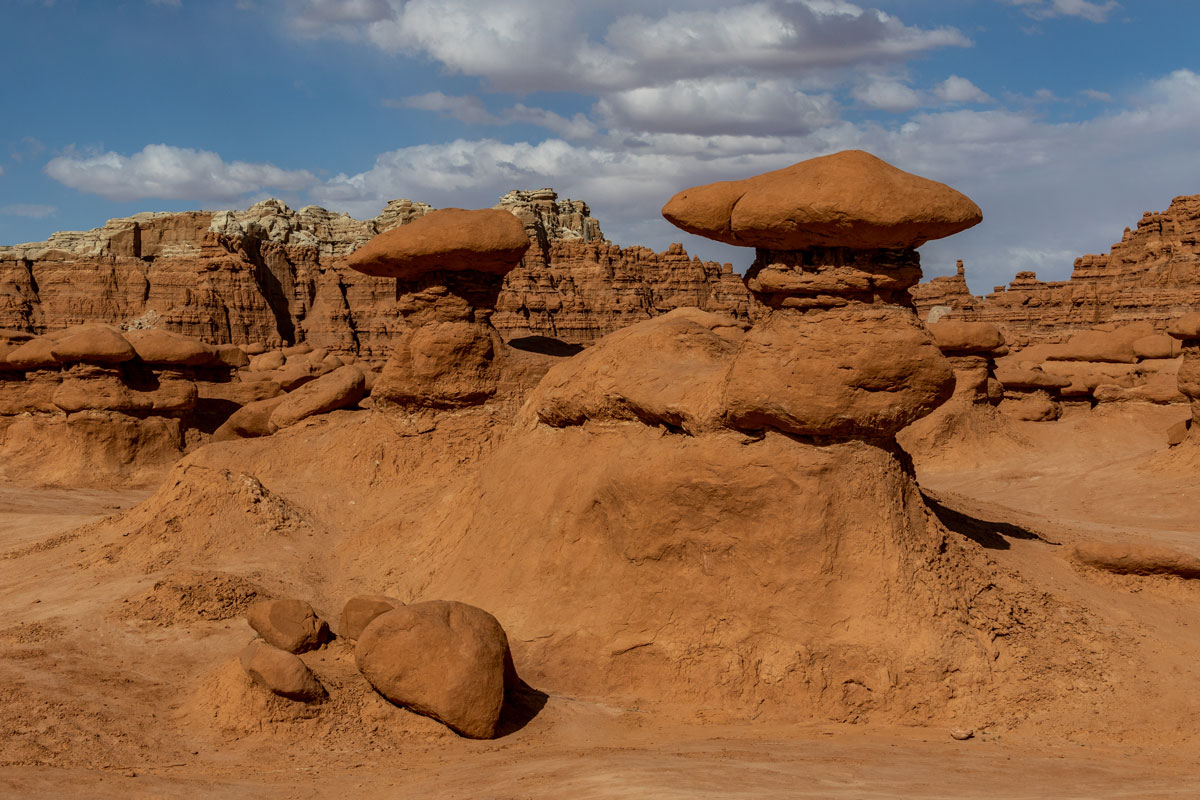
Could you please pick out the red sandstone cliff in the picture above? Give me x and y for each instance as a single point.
(271, 275)
(1151, 275)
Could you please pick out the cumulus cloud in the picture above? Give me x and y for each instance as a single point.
(166, 172)
(960, 90)
(1049, 190)
(719, 106)
(547, 45)
(1085, 9)
(471, 111)
(30, 210)
(888, 95)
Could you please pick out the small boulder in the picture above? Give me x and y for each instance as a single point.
(361, 610)
(298, 349)
(1156, 346)
(232, 356)
(443, 659)
(281, 672)
(1178, 433)
(966, 337)
(1132, 558)
(288, 624)
(92, 344)
(249, 421)
(1110, 346)
(164, 347)
(267, 362)
(254, 349)
(339, 389)
(1185, 327)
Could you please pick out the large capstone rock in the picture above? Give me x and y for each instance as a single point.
(848, 199)
(443, 659)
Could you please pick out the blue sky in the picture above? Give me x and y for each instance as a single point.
(1063, 119)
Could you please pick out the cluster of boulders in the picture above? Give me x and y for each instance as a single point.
(443, 659)
(126, 401)
(1129, 363)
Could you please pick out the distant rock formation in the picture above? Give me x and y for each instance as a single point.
(1151, 275)
(272, 275)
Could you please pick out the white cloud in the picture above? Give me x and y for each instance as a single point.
(719, 106)
(167, 172)
(30, 210)
(1085, 9)
(548, 45)
(1096, 95)
(471, 110)
(960, 90)
(167, 3)
(888, 95)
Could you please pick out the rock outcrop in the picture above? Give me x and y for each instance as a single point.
(270, 275)
(1152, 275)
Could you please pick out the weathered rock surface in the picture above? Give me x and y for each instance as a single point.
(341, 388)
(443, 659)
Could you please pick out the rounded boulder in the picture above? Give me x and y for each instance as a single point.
(288, 624)
(442, 659)
(281, 672)
(341, 388)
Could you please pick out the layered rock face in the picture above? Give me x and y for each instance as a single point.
(270, 275)
(1152, 275)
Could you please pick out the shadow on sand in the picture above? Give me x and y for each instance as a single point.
(987, 533)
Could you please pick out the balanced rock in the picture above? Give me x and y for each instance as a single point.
(281, 672)
(449, 267)
(443, 659)
(448, 240)
(848, 199)
(288, 624)
(1187, 330)
(338, 389)
(361, 610)
(840, 352)
(952, 336)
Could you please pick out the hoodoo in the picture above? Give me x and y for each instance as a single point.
(448, 266)
(698, 508)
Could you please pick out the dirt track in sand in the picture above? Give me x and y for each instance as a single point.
(62, 733)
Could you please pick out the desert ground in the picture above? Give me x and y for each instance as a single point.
(107, 674)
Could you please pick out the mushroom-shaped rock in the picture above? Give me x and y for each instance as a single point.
(288, 624)
(361, 610)
(443, 659)
(93, 344)
(848, 199)
(449, 240)
(338, 389)
(164, 347)
(281, 672)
